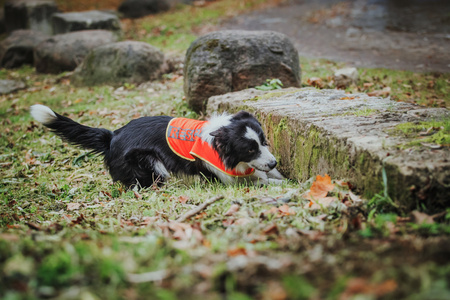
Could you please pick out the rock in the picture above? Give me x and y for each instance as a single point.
(29, 14)
(9, 86)
(351, 136)
(345, 76)
(18, 48)
(64, 52)
(2, 20)
(232, 60)
(86, 20)
(119, 63)
(139, 8)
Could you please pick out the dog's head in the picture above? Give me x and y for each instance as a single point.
(240, 142)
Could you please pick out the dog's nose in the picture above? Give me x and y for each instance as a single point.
(272, 164)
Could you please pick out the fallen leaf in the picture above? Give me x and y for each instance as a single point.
(183, 199)
(13, 226)
(357, 286)
(73, 206)
(285, 210)
(137, 195)
(320, 187)
(232, 210)
(315, 82)
(236, 251)
(271, 229)
(78, 220)
(322, 202)
(148, 221)
(380, 93)
(421, 218)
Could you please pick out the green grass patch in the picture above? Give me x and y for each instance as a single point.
(67, 231)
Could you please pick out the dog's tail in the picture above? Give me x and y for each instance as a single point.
(96, 139)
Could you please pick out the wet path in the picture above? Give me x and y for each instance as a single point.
(398, 34)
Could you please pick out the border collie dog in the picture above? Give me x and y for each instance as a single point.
(148, 150)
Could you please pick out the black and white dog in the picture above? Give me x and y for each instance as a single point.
(148, 150)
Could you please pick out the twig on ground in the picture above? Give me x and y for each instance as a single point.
(147, 277)
(198, 209)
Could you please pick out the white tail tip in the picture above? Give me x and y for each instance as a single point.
(42, 113)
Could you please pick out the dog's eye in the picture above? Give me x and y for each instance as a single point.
(251, 151)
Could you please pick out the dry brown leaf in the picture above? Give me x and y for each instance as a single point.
(315, 82)
(232, 210)
(236, 251)
(380, 93)
(183, 199)
(421, 218)
(322, 202)
(285, 210)
(137, 195)
(357, 286)
(271, 229)
(73, 206)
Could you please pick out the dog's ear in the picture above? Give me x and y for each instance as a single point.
(242, 115)
(221, 132)
(215, 133)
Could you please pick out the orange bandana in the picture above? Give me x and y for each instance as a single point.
(183, 137)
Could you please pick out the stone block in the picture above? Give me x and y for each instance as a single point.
(29, 14)
(353, 137)
(85, 20)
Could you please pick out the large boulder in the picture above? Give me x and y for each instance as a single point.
(18, 48)
(233, 60)
(119, 63)
(29, 14)
(140, 8)
(64, 52)
(85, 20)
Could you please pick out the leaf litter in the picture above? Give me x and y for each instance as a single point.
(67, 230)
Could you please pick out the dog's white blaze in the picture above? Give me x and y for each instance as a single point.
(265, 158)
(216, 122)
(42, 113)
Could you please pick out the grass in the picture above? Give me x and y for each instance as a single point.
(67, 231)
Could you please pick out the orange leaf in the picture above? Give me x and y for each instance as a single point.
(285, 210)
(236, 251)
(315, 82)
(320, 187)
(183, 199)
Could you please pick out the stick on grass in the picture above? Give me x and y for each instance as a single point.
(198, 209)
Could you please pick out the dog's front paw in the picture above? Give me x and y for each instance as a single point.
(275, 181)
(275, 174)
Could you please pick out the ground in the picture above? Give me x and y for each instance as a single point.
(68, 232)
(412, 35)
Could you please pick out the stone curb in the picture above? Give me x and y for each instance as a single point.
(349, 136)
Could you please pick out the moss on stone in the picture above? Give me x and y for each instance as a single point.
(438, 132)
